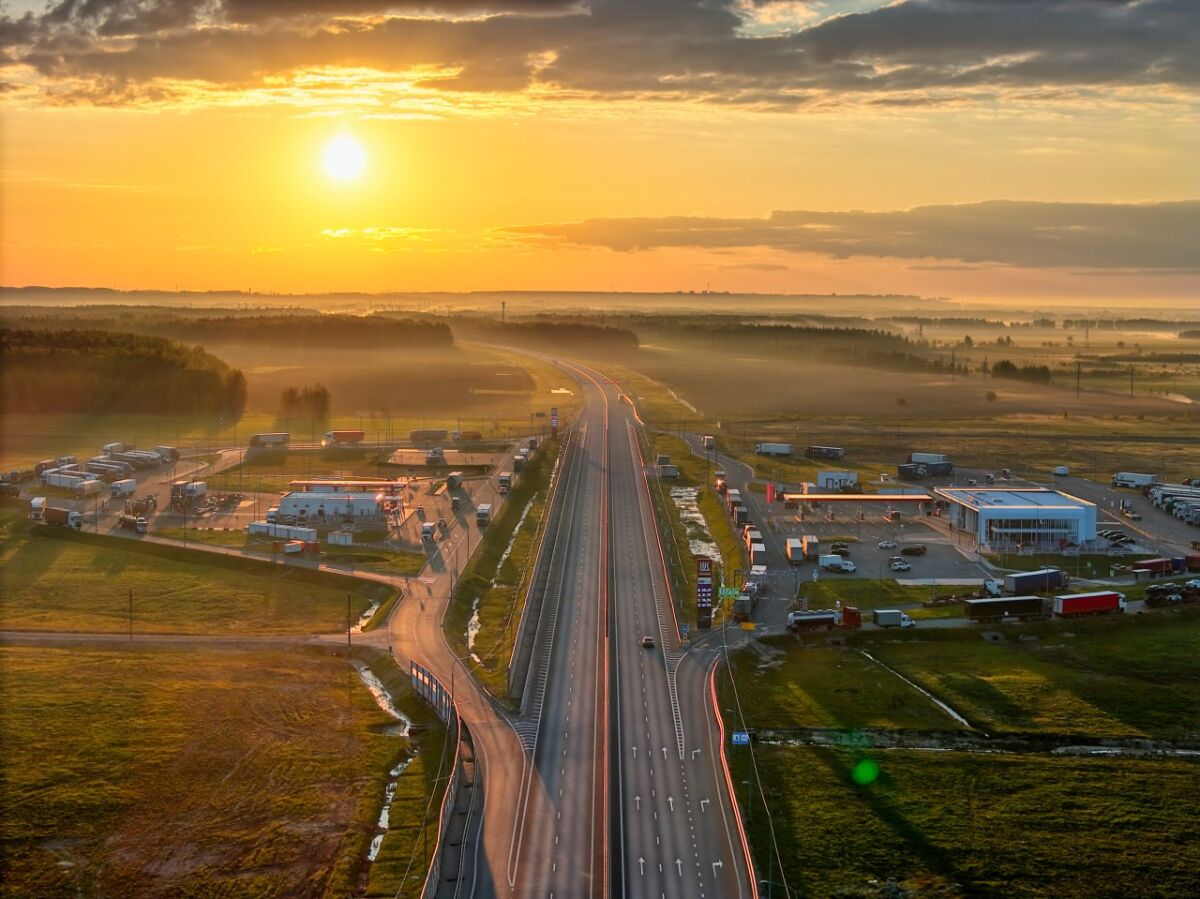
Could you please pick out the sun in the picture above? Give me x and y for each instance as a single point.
(344, 158)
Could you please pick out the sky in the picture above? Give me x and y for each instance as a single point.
(974, 149)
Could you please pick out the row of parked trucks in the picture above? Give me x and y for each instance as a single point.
(1029, 608)
(1182, 501)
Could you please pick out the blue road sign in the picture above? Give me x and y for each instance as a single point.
(741, 738)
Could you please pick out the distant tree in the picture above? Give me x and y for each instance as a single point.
(968, 342)
(305, 402)
(990, 396)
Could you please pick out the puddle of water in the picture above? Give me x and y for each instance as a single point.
(473, 623)
(383, 698)
(385, 813)
(385, 702)
(366, 616)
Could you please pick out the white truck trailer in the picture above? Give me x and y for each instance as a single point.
(774, 449)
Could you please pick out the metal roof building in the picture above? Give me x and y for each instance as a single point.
(1008, 518)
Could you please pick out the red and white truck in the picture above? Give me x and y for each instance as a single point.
(344, 438)
(846, 618)
(1102, 602)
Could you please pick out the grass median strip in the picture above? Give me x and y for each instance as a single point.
(494, 582)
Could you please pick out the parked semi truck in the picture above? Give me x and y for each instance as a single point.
(1045, 579)
(929, 458)
(1020, 608)
(845, 618)
(1133, 479)
(893, 618)
(758, 554)
(343, 438)
(124, 487)
(795, 551)
(774, 449)
(1098, 603)
(1157, 566)
(483, 514)
(62, 517)
(276, 438)
(824, 452)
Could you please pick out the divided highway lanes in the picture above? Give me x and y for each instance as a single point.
(676, 830)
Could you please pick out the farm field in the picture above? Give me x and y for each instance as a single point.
(1096, 678)
(82, 585)
(955, 824)
(197, 773)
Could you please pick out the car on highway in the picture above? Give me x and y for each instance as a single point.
(915, 549)
(899, 564)
(1193, 584)
(886, 544)
(647, 642)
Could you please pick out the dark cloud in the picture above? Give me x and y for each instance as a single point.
(899, 54)
(1038, 235)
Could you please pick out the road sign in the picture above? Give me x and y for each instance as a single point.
(729, 592)
(683, 630)
(704, 592)
(554, 421)
(741, 738)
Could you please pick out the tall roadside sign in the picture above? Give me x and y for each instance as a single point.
(704, 593)
(553, 422)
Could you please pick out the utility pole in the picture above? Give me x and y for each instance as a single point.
(1131, 380)
(347, 622)
(1077, 367)
(130, 616)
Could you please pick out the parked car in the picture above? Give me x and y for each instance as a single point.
(887, 544)
(1131, 514)
(915, 549)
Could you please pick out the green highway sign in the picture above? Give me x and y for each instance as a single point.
(729, 593)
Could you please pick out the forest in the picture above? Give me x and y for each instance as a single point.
(103, 371)
(295, 329)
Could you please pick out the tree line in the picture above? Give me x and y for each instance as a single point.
(305, 402)
(298, 329)
(105, 371)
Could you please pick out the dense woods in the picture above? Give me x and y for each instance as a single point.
(1034, 374)
(102, 371)
(301, 330)
(305, 402)
(549, 334)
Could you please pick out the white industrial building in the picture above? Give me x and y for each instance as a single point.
(1005, 519)
(313, 507)
(837, 480)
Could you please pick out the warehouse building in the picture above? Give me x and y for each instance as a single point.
(1006, 519)
(317, 508)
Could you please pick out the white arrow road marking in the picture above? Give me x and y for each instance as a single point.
(642, 866)
(703, 802)
(638, 800)
(717, 865)
(679, 865)
(664, 752)
(634, 748)
(671, 802)
(695, 752)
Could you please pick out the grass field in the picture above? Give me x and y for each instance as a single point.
(823, 687)
(1133, 676)
(369, 558)
(190, 773)
(952, 824)
(498, 582)
(958, 824)
(84, 584)
(869, 594)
